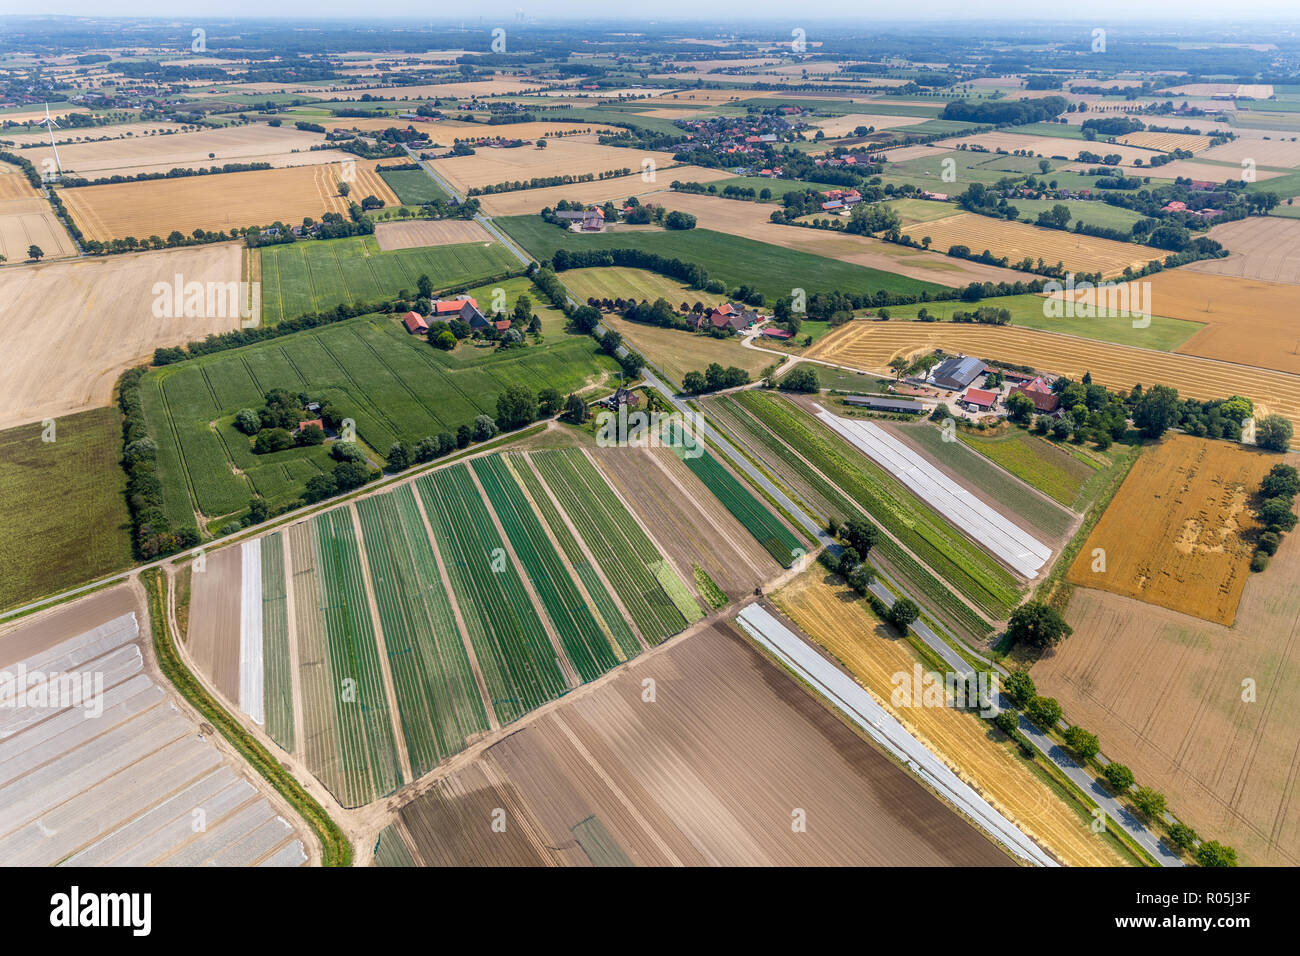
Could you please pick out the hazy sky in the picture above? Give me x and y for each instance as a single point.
(744, 11)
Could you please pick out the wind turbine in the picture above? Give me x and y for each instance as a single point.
(50, 125)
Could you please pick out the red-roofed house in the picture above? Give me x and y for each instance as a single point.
(776, 333)
(502, 326)
(979, 398)
(1045, 402)
(312, 421)
(1174, 206)
(415, 323)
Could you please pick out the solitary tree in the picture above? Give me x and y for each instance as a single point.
(1037, 625)
(344, 189)
(903, 613)
(35, 252)
(1118, 776)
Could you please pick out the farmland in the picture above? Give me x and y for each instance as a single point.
(1035, 461)
(1165, 694)
(46, 541)
(1267, 249)
(393, 385)
(870, 346)
(315, 276)
(1193, 497)
(1166, 142)
(733, 259)
(531, 201)
(973, 573)
(848, 630)
(413, 186)
(124, 788)
(159, 207)
(429, 232)
(676, 352)
(604, 780)
(571, 155)
(28, 222)
(1018, 240)
(87, 321)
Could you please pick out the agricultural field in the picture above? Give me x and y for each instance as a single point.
(567, 156)
(882, 265)
(259, 198)
(1050, 146)
(429, 232)
(1018, 240)
(413, 186)
(1091, 212)
(50, 540)
(531, 201)
(899, 512)
(676, 352)
(848, 630)
(870, 346)
(1193, 498)
(624, 282)
(604, 780)
(1266, 249)
(988, 481)
(1166, 142)
(124, 788)
(130, 156)
(28, 222)
(87, 321)
(735, 260)
(836, 127)
(911, 211)
(393, 385)
(303, 277)
(1035, 461)
(1164, 693)
(1273, 149)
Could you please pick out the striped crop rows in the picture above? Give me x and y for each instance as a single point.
(514, 653)
(437, 699)
(277, 680)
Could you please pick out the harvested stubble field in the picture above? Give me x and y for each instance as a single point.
(28, 222)
(711, 780)
(124, 788)
(63, 517)
(687, 520)
(842, 623)
(87, 321)
(1016, 240)
(1166, 695)
(218, 203)
(1050, 146)
(570, 155)
(429, 232)
(1261, 248)
(751, 221)
(1280, 149)
(1165, 142)
(129, 156)
(838, 126)
(870, 346)
(1192, 499)
(598, 192)
(675, 352)
(15, 185)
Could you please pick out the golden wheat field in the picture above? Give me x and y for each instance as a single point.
(870, 346)
(1016, 240)
(1179, 532)
(569, 155)
(1166, 142)
(220, 202)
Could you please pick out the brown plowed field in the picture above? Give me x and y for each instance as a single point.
(218, 203)
(870, 346)
(712, 773)
(1164, 692)
(842, 623)
(1016, 240)
(687, 519)
(1178, 532)
(213, 635)
(428, 232)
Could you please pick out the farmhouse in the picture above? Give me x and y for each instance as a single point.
(415, 323)
(622, 396)
(731, 316)
(955, 374)
(1040, 393)
(465, 309)
(979, 399)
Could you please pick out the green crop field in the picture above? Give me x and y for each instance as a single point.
(1028, 311)
(584, 643)
(605, 607)
(63, 517)
(277, 680)
(393, 385)
(624, 553)
(1091, 212)
(1035, 461)
(980, 472)
(829, 501)
(365, 727)
(437, 698)
(313, 276)
(768, 530)
(513, 651)
(413, 186)
(970, 569)
(734, 260)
